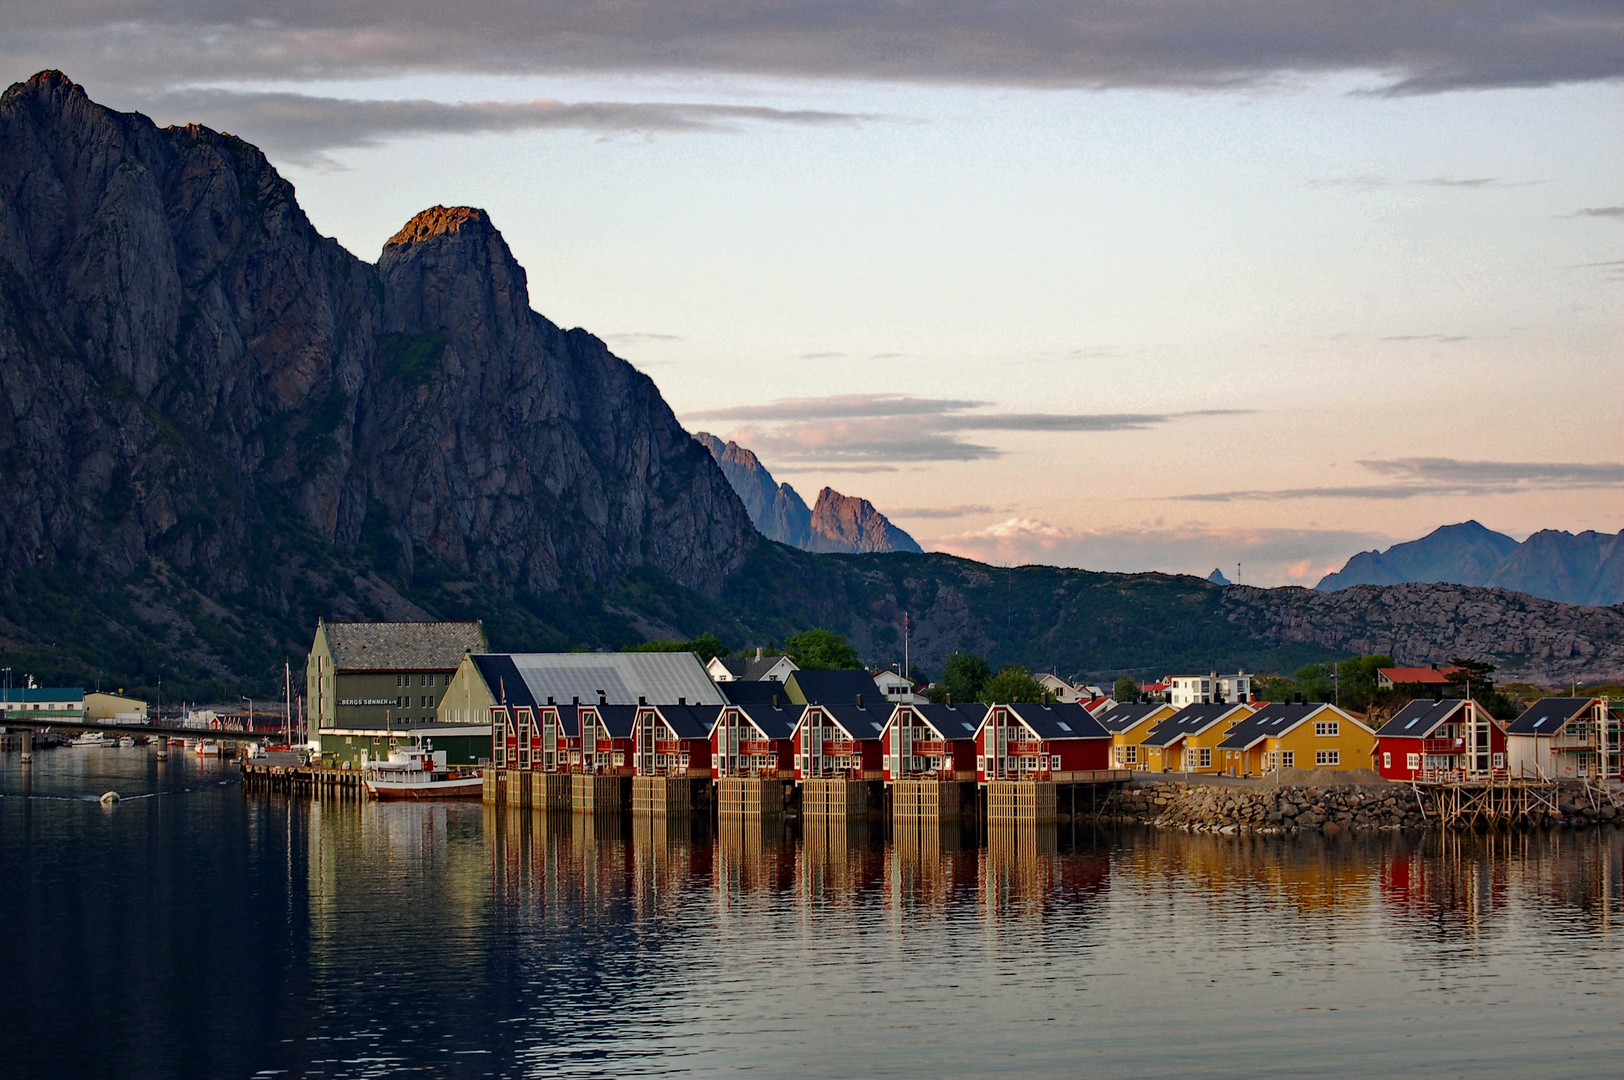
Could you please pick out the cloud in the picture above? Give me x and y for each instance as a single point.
(636, 338)
(932, 513)
(1428, 337)
(821, 356)
(1600, 211)
(1432, 477)
(904, 428)
(1404, 48)
(1371, 183)
(1267, 556)
(305, 129)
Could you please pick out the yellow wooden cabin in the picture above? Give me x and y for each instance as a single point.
(1281, 735)
(1128, 724)
(1188, 740)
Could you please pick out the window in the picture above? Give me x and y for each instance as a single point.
(1327, 757)
(1412, 761)
(1387, 760)
(1499, 761)
(1054, 762)
(1329, 728)
(1205, 758)
(1288, 759)
(981, 763)
(1133, 755)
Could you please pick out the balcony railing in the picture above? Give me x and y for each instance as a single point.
(926, 748)
(840, 749)
(1025, 748)
(1443, 746)
(755, 746)
(668, 746)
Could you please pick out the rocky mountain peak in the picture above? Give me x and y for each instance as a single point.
(848, 523)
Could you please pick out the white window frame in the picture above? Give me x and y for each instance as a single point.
(1288, 759)
(1327, 729)
(1387, 759)
(1412, 762)
(1204, 758)
(1327, 758)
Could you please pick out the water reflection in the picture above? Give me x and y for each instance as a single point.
(362, 939)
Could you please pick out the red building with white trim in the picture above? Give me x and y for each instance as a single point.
(1040, 742)
(934, 742)
(840, 742)
(1439, 739)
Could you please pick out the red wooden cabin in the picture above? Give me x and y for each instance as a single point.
(755, 741)
(839, 742)
(673, 740)
(1434, 738)
(1040, 742)
(936, 742)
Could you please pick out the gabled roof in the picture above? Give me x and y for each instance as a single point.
(739, 692)
(622, 678)
(1427, 676)
(950, 721)
(1417, 719)
(689, 721)
(832, 687)
(402, 646)
(617, 719)
(1191, 720)
(503, 680)
(864, 723)
(1127, 715)
(1059, 721)
(774, 723)
(751, 668)
(1273, 720)
(1547, 715)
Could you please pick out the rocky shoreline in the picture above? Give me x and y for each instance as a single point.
(1269, 810)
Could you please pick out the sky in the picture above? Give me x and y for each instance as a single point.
(1247, 284)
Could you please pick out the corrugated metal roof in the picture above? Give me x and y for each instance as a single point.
(402, 646)
(620, 678)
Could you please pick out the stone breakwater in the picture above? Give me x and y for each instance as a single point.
(1331, 810)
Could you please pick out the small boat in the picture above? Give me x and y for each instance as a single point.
(208, 748)
(411, 772)
(126, 742)
(91, 738)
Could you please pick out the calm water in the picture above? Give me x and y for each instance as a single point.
(193, 932)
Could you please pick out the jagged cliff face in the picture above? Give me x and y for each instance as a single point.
(189, 373)
(847, 523)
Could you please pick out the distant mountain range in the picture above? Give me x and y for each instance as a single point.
(837, 522)
(1587, 568)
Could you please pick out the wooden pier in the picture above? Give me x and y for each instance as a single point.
(747, 796)
(314, 781)
(1465, 802)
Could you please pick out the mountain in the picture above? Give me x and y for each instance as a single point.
(1583, 569)
(837, 523)
(777, 511)
(216, 423)
(211, 413)
(1463, 554)
(1217, 577)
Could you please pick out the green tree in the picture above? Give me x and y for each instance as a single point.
(820, 649)
(1357, 686)
(1012, 684)
(1126, 689)
(964, 674)
(1314, 681)
(705, 645)
(1475, 678)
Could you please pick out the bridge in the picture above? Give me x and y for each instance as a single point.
(23, 722)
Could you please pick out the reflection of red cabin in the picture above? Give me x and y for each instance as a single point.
(839, 742)
(932, 742)
(1040, 742)
(672, 740)
(755, 741)
(1441, 739)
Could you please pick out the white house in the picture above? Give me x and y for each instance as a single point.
(1059, 689)
(895, 689)
(1565, 738)
(1185, 690)
(757, 668)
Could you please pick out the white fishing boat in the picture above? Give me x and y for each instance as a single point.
(208, 748)
(91, 738)
(412, 772)
(126, 742)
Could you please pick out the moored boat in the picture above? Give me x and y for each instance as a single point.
(412, 772)
(92, 738)
(208, 748)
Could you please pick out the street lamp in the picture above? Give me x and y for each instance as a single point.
(250, 711)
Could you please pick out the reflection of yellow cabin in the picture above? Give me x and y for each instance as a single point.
(1188, 740)
(1128, 724)
(1286, 736)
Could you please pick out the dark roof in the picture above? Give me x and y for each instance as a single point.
(774, 723)
(60, 693)
(739, 692)
(690, 721)
(1052, 722)
(1547, 715)
(952, 721)
(618, 719)
(1275, 718)
(749, 668)
(402, 646)
(503, 680)
(1190, 720)
(864, 723)
(833, 687)
(1127, 715)
(1417, 719)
